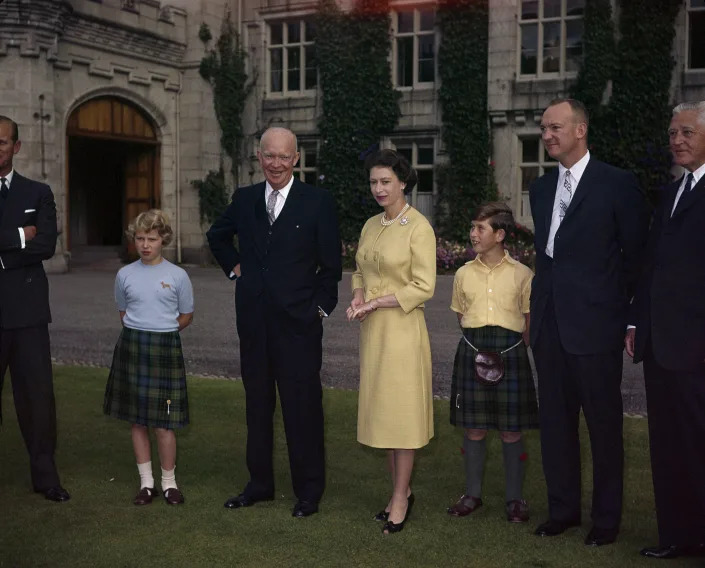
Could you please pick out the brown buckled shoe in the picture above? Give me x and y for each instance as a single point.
(517, 511)
(464, 506)
(145, 496)
(173, 496)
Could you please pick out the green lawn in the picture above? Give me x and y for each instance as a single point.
(101, 527)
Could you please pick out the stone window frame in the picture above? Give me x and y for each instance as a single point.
(304, 169)
(541, 163)
(694, 7)
(416, 34)
(305, 45)
(540, 22)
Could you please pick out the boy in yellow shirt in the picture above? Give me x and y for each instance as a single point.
(491, 298)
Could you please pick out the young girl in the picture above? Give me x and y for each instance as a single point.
(147, 382)
(491, 298)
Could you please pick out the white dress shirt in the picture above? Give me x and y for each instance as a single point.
(576, 172)
(697, 176)
(8, 181)
(282, 194)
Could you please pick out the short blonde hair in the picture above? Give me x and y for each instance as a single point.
(152, 220)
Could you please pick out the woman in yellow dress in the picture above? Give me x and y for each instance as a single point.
(396, 274)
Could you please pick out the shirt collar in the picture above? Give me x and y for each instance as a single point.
(697, 175)
(576, 170)
(506, 258)
(8, 177)
(284, 191)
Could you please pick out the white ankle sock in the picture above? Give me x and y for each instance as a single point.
(146, 477)
(168, 479)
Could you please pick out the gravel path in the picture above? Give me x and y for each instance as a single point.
(86, 326)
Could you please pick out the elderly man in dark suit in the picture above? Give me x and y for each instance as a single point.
(27, 237)
(590, 223)
(287, 265)
(669, 315)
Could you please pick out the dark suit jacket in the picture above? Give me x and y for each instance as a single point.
(24, 290)
(296, 262)
(670, 301)
(596, 257)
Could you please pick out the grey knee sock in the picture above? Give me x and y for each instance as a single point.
(474, 466)
(513, 469)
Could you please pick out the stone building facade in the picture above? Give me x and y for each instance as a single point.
(114, 115)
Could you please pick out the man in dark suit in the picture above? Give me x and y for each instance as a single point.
(669, 315)
(287, 265)
(590, 222)
(27, 237)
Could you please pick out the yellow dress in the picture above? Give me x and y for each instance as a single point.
(396, 402)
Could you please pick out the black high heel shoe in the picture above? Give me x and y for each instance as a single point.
(392, 527)
(382, 516)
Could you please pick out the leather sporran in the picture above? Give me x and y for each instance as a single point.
(489, 368)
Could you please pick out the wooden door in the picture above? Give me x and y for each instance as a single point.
(141, 187)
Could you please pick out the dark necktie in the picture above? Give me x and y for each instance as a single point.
(688, 183)
(4, 191)
(680, 204)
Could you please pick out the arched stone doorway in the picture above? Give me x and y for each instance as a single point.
(113, 173)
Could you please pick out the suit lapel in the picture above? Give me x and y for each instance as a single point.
(550, 182)
(292, 203)
(14, 199)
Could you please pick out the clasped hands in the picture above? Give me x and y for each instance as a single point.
(30, 231)
(359, 309)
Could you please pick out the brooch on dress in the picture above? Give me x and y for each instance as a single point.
(403, 221)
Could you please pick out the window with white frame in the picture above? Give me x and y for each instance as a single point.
(696, 33)
(551, 37)
(291, 57)
(420, 156)
(414, 46)
(306, 169)
(534, 162)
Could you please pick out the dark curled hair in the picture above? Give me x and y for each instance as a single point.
(395, 162)
(498, 214)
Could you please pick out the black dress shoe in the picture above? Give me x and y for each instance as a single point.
(600, 537)
(391, 527)
(553, 528)
(667, 552)
(58, 494)
(304, 509)
(243, 500)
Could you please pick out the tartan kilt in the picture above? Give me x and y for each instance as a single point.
(509, 406)
(147, 381)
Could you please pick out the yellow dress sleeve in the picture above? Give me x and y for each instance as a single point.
(423, 269)
(357, 280)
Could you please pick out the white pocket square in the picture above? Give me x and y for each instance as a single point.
(29, 210)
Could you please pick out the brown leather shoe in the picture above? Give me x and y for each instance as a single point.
(173, 496)
(464, 506)
(145, 496)
(517, 511)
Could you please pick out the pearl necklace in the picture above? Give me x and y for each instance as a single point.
(386, 223)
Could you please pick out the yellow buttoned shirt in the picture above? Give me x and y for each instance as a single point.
(492, 296)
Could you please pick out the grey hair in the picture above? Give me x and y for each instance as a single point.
(697, 106)
(279, 129)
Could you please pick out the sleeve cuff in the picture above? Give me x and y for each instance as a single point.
(22, 241)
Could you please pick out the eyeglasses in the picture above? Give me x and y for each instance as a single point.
(282, 157)
(686, 132)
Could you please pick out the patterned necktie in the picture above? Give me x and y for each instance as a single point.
(566, 197)
(271, 204)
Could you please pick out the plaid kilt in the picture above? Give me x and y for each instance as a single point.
(509, 406)
(147, 381)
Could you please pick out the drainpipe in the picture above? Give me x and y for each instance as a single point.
(178, 168)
